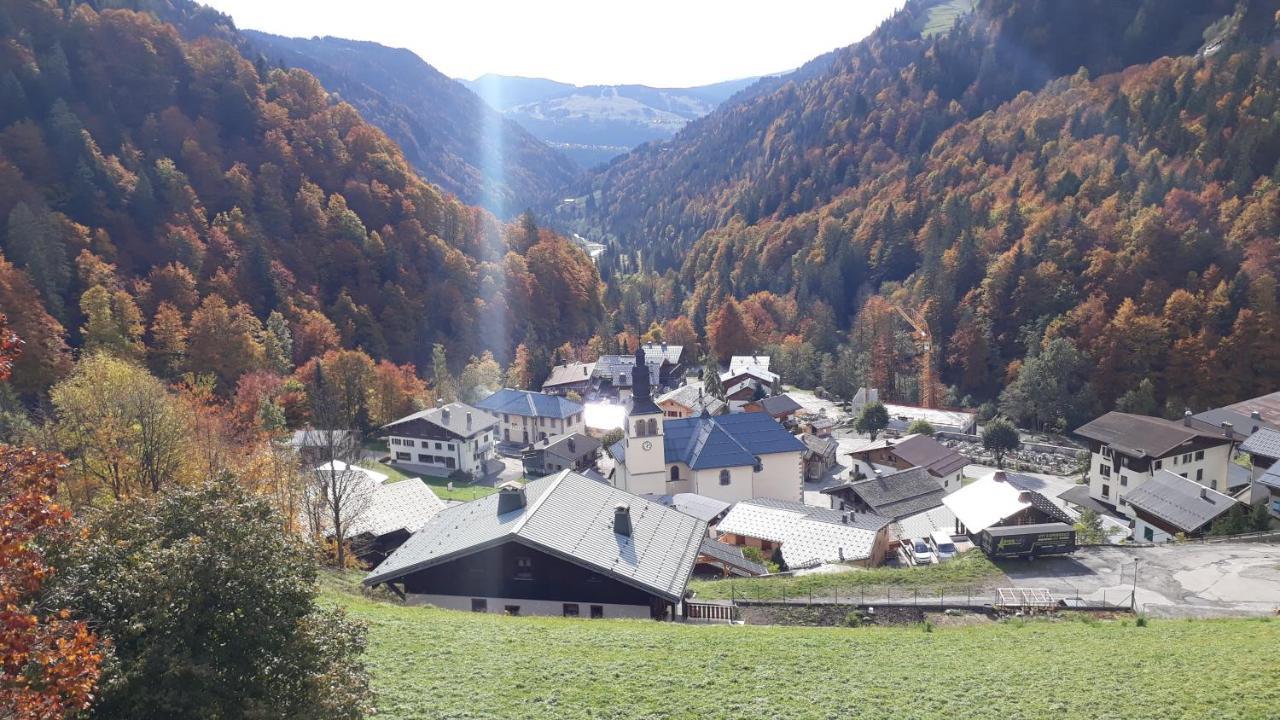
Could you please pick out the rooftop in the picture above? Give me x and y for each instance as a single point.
(732, 556)
(529, 404)
(453, 417)
(898, 495)
(1183, 503)
(569, 374)
(1265, 442)
(924, 451)
(570, 445)
(725, 440)
(1267, 406)
(405, 505)
(809, 535)
(777, 405)
(989, 500)
(934, 416)
(1143, 436)
(693, 397)
(571, 517)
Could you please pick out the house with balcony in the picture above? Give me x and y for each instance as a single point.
(443, 440)
(1126, 450)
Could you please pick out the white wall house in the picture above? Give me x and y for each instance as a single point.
(1127, 450)
(526, 417)
(443, 440)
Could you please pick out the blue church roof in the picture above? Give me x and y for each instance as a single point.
(725, 440)
(529, 404)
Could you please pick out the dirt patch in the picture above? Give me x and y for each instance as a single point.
(957, 618)
(830, 615)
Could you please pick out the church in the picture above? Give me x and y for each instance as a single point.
(727, 457)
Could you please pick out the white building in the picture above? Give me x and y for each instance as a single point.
(729, 457)
(443, 440)
(1169, 505)
(526, 417)
(1127, 450)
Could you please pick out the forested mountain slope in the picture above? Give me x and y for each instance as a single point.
(779, 152)
(157, 192)
(445, 131)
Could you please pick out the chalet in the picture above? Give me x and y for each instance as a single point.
(571, 451)
(690, 400)
(819, 456)
(1127, 450)
(1263, 448)
(819, 424)
(730, 457)
(1167, 504)
(379, 515)
(571, 377)
(561, 545)
(943, 463)
(805, 535)
(315, 446)
(443, 440)
(721, 560)
(526, 417)
(747, 379)
(895, 496)
(613, 373)
(779, 407)
(1006, 516)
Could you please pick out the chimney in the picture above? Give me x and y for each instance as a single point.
(510, 499)
(439, 402)
(622, 520)
(1227, 429)
(468, 419)
(444, 415)
(584, 371)
(1186, 417)
(844, 518)
(1204, 493)
(572, 446)
(1255, 415)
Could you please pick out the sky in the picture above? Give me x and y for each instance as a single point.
(664, 43)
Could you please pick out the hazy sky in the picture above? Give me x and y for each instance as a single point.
(668, 43)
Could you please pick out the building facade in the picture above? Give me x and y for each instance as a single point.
(442, 440)
(526, 417)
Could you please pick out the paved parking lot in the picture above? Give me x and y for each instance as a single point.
(1191, 580)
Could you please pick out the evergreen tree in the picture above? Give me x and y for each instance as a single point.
(277, 344)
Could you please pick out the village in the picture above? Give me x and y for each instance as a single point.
(639, 486)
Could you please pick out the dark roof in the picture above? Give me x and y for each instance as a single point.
(777, 405)
(616, 370)
(569, 374)
(619, 451)
(571, 517)
(1264, 443)
(1242, 426)
(582, 445)
(1143, 436)
(1003, 530)
(730, 555)
(726, 440)
(1267, 406)
(451, 417)
(898, 495)
(1181, 502)
(529, 404)
(924, 451)
(1271, 478)
(820, 445)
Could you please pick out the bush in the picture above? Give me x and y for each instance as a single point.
(1141, 621)
(854, 619)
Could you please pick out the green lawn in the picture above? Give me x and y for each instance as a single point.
(439, 664)
(461, 491)
(970, 570)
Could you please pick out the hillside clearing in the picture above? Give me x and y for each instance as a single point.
(430, 663)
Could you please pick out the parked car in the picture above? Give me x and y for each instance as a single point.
(943, 545)
(920, 552)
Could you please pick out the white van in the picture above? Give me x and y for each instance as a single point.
(943, 545)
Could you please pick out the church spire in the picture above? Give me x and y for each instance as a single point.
(641, 393)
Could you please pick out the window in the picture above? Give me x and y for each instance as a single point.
(597, 612)
(724, 477)
(1175, 459)
(524, 568)
(1106, 452)
(1148, 534)
(1158, 464)
(512, 610)
(1105, 470)
(653, 426)
(1183, 474)
(675, 473)
(407, 457)
(1186, 458)
(1200, 475)
(571, 609)
(479, 605)
(449, 463)
(639, 428)
(426, 459)
(1199, 454)
(1124, 481)
(1106, 491)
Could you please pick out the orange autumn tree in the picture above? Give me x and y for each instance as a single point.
(49, 663)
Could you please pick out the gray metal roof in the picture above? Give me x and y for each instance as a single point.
(779, 404)
(702, 507)
(569, 516)
(1271, 478)
(1265, 442)
(695, 398)
(1179, 501)
(569, 374)
(529, 404)
(451, 417)
(732, 556)
(573, 446)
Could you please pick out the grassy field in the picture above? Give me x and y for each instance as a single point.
(971, 569)
(461, 491)
(943, 17)
(439, 664)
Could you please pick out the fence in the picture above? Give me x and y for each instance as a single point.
(955, 597)
(710, 611)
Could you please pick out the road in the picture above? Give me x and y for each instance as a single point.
(1178, 580)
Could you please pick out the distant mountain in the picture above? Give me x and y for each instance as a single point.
(595, 123)
(447, 133)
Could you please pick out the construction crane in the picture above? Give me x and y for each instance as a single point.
(930, 389)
